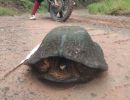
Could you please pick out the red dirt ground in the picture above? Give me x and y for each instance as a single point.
(18, 36)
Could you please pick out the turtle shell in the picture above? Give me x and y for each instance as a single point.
(70, 44)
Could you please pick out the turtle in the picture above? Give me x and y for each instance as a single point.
(67, 54)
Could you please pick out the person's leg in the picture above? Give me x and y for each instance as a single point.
(35, 8)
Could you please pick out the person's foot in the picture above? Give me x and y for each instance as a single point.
(33, 17)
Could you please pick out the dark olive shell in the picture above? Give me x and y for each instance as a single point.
(74, 44)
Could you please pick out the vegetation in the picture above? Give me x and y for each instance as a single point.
(12, 7)
(19, 6)
(110, 7)
(7, 11)
(44, 7)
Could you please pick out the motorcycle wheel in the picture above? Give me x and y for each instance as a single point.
(61, 12)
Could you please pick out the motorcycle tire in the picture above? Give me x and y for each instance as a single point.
(62, 18)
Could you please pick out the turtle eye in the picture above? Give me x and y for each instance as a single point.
(62, 67)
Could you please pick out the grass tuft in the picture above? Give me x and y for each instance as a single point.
(7, 11)
(110, 7)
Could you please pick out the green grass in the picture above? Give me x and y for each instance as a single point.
(7, 11)
(109, 7)
(43, 7)
(13, 7)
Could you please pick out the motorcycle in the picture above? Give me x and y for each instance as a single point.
(60, 10)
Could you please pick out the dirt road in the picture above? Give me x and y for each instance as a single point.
(18, 36)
